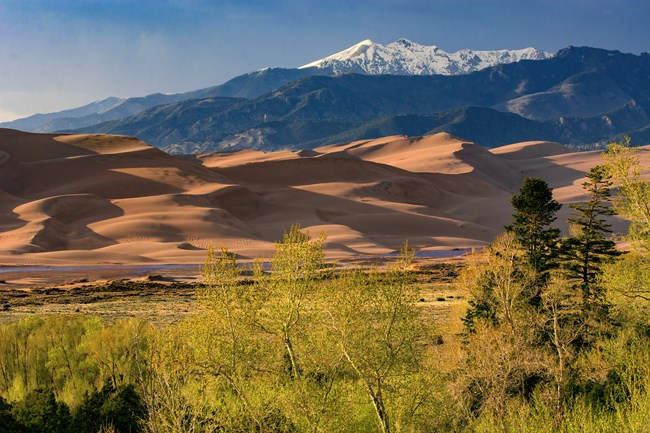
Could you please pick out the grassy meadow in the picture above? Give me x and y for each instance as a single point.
(537, 333)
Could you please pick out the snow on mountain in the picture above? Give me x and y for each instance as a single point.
(404, 57)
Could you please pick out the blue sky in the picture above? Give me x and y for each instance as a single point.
(57, 54)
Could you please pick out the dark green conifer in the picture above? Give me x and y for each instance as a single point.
(7, 422)
(39, 412)
(121, 408)
(535, 211)
(584, 252)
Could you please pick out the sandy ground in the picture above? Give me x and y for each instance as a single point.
(171, 294)
(113, 201)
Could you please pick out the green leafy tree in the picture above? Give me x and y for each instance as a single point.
(112, 350)
(584, 253)
(250, 360)
(497, 280)
(376, 324)
(168, 382)
(294, 268)
(623, 164)
(629, 277)
(224, 337)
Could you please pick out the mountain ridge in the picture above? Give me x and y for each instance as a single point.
(312, 110)
(404, 57)
(249, 85)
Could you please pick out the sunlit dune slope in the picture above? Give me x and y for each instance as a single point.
(114, 199)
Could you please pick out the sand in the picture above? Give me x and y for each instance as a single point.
(111, 200)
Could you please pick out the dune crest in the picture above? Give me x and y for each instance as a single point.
(100, 199)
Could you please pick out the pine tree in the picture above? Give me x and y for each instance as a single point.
(584, 253)
(7, 422)
(535, 210)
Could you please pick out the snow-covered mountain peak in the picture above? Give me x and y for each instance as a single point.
(405, 57)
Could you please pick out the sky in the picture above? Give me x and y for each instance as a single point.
(58, 54)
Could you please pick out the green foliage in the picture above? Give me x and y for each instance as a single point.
(7, 422)
(632, 201)
(584, 253)
(39, 412)
(497, 279)
(70, 355)
(375, 323)
(120, 408)
(535, 211)
(629, 278)
(293, 349)
(300, 348)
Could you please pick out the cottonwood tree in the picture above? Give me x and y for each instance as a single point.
(564, 324)
(227, 343)
(114, 349)
(630, 275)
(261, 337)
(501, 355)
(168, 383)
(196, 373)
(376, 324)
(294, 269)
(623, 164)
(497, 280)
(291, 318)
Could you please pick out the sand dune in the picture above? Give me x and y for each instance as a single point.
(75, 199)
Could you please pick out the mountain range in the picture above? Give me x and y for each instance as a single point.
(404, 57)
(401, 57)
(580, 96)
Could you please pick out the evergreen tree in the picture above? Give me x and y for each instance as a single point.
(584, 252)
(535, 210)
(39, 412)
(7, 422)
(121, 408)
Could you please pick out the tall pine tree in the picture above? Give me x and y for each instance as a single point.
(535, 210)
(584, 252)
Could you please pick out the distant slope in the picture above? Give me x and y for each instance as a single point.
(167, 124)
(255, 84)
(249, 85)
(37, 121)
(483, 125)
